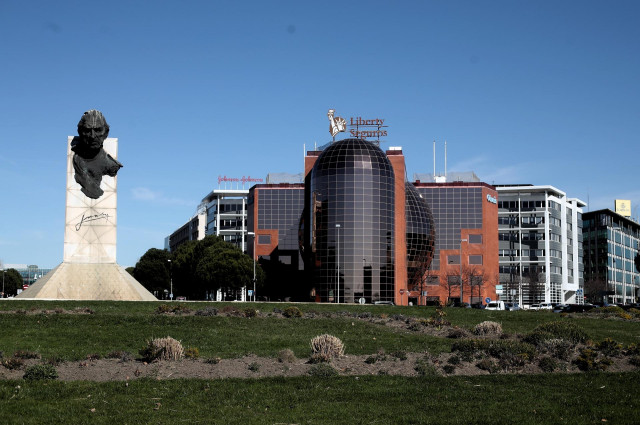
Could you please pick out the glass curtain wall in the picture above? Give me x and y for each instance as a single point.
(352, 223)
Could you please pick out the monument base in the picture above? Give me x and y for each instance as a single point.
(86, 281)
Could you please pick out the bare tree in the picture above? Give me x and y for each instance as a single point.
(475, 280)
(452, 280)
(595, 288)
(535, 285)
(420, 284)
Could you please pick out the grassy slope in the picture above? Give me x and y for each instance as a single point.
(126, 326)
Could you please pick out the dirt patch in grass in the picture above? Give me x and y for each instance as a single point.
(399, 364)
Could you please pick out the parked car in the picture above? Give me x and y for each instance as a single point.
(383, 303)
(495, 305)
(573, 308)
(579, 308)
(541, 306)
(511, 306)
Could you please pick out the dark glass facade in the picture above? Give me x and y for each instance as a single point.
(611, 242)
(453, 208)
(421, 237)
(274, 216)
(350, 223)
(280, 208)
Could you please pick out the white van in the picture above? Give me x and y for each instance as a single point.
(495, 305)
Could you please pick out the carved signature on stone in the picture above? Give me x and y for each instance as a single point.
(88, 218)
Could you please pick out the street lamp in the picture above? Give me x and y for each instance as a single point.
(254, 263)
(3, 283)
(461, 283)
(338, 257)
(170, 279)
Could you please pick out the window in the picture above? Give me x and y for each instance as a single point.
(264, 239)
(476, 280)
(453, 280)
(453, 259)
(510, 220)
(475, 239)
(475, 259)
(511, 236)
(433, 280)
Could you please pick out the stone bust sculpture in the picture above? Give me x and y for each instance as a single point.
(90, 161)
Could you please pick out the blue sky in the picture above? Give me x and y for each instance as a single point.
(541, 92)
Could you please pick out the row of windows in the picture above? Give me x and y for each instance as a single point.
(526, 237)
(526, 269)
(524, 205)
(512, 220)
(525, 252)
(555, 206)
(555, 253)
(472, 259)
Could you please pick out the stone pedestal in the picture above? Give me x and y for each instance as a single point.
(90, 224)
(89, 270)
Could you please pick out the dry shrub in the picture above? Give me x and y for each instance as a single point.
(26, 354)
(207, 311)
(488, 328)
(250, 312)
(326, 347)
(286, 356)
(292, 312)
(13, 363)
(162, 349)
(230, 310)
(558, 348)
(457, 333)
(192, 353)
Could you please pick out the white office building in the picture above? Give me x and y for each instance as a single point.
(540, 245)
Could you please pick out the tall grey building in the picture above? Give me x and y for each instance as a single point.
(540, 245)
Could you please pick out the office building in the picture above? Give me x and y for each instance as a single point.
(610, 242)
(466, 247)
(540, 245)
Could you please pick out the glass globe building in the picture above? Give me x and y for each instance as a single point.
(364, 231)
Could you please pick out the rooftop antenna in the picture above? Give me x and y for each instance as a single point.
(434, 160)
(445, 159)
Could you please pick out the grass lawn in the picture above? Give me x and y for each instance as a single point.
(128, 325)
(585, 398)
(502, 399)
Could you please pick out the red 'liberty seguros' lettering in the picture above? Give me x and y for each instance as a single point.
(374, 122)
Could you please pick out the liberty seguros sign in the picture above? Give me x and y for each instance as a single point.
(359, 127)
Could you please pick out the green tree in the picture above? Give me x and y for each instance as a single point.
(12, 282)
(185, 261)
(153, 270)
(204, 266)
(224, 266)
